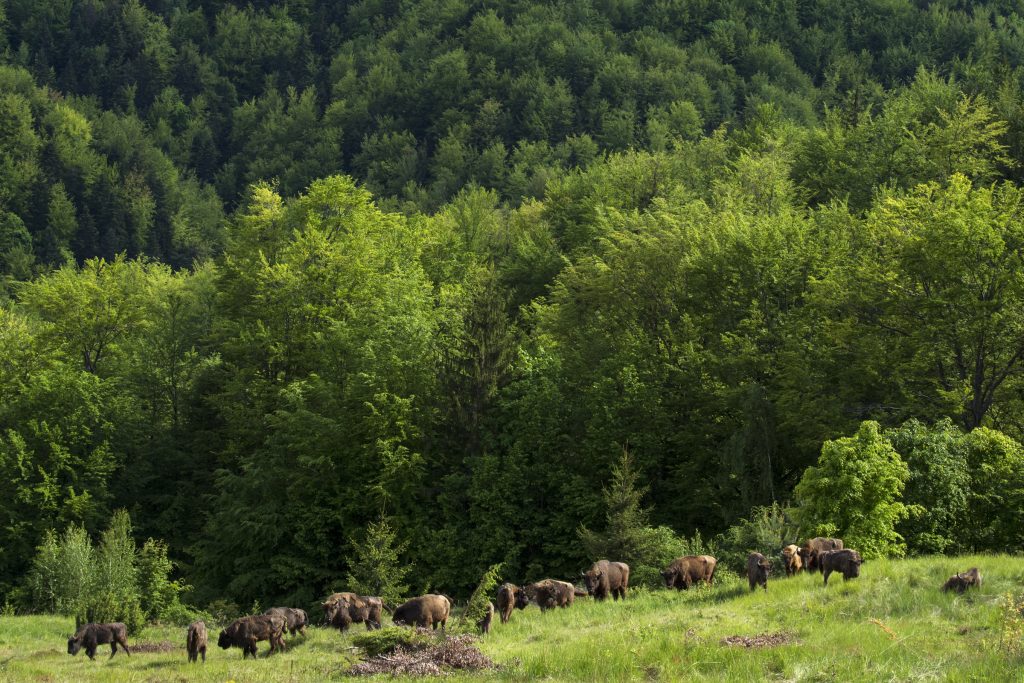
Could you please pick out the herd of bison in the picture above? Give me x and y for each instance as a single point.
(603, 579)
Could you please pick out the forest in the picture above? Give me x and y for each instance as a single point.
(287, 284)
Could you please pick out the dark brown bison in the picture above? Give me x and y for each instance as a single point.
(604, 578)
(245, 632)
(484, 624)
(960, 582)
(344, 609)
(684, 572)
(91, 635)
(757, 571)
(815, 546)
(845, 561)
(426, 610)
(510, 596)
(296, 620)
(550, 593)
(195, 641)
(791, 559)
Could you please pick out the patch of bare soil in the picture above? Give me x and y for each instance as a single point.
(455, 653)
(763, 640)
(162, 646)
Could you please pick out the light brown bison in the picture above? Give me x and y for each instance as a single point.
(550, 593)
(791, 559)
(245, 632)
(845, 561)
(510, 596)
(684, 572)
(296, 620)
(484, 623)
(90, 636)
(195, 641)
(815, 546)
(426, 610)
(341, 610)
(606, 577)
(757, 571)
(960, 582)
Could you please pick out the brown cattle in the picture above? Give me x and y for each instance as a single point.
(550, 593)
(341, 610)
(684, 572)
(296, 620)
(91, 635)
(846, 561)
(245, 632)
(510, 596)
(195, 641)
(757, 571)
(484, 624)
(791, 559)
(426, 610)
(809, 553)
(606, 577)
(960, 582)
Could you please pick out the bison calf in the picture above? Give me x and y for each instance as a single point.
(791, 559)
(960, 582)
(550, 593)
(195, 642)
(295, 619)
(245, 632)
(757, 571)
(604, 578)
(92, 635)
(426, 610)
(846, 561)
(484, 624)
(684, 572)
(510, 596)
(814, 547)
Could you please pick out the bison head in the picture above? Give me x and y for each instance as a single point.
(74, 646)
(669, 575)
(592, 579)
(223, 640)
(522, 599)
(855, 562)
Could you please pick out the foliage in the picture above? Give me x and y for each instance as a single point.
(385, 640)
(767, 531)
(476, 606)
(376, 568)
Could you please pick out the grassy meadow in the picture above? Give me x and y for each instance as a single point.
(890, 624)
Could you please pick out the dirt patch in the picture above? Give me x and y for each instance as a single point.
(455, 653)
(763, 640)
(162, 646)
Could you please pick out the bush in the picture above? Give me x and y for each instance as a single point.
(178, 614)
(768, 530)
(385, 640)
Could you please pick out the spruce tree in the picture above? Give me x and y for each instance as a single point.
(376, 568)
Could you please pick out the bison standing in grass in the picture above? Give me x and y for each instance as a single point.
(245, 632)
(604, 578)
(845, 561)
(684, 572)
(195, 641)
(757, 571)
(484, 623)
(550, 593)
(510, 596)
(341, 610)
(960, 582)
(814, 547)
(92, 635)
(426, 610)
(296, 620)
(791, 559)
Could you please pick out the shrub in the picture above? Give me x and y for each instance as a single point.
(376, 567)
(385, 640)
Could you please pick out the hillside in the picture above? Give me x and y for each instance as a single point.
(891, 624)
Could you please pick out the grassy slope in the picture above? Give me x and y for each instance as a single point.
(667, 635)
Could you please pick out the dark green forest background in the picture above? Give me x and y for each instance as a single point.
(274, 272)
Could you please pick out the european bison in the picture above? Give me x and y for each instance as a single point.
(846, 561)
(809, 553)
(791, 559)
(195, 642)
(484, 624)
(606, 577)
(245, 632)
(685, 571)
(296, 620)
(960, 582)
(91, 635)
(426, 610)
(341, 610)
(757, 571)
(550, 593)
(510, 596)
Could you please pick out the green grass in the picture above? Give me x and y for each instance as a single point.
(890, 624)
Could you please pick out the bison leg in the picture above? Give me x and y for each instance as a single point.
(90, 650)
(826, 572)
(124, 645)
(202, 651)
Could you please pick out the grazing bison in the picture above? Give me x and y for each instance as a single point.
(757, 571)
(91, 635)
(606, 577)
(960, 582)
(426, 610)
(245, 632)
(510, 596)
(846, 561)
(296, 620)
(551, 593)
(815, 546)
(684, 572)
(341, 610)
(484, 624)
(195, 642)
(791, 559)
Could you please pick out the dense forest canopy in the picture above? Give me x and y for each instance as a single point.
(277, 275)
